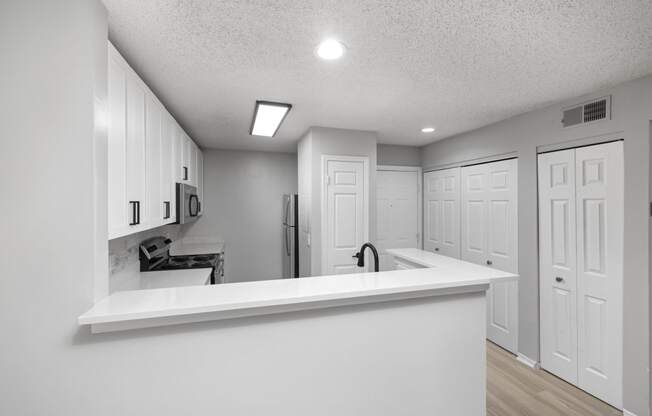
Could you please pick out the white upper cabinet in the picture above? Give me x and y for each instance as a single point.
(147, 154)
(168, 172)
(200, 179)
(117, 146)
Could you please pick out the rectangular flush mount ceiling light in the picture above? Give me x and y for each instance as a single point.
(268, 117)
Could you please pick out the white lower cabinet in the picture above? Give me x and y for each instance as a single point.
(580, 260)
(147, 154)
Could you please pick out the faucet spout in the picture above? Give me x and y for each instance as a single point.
(360, 255)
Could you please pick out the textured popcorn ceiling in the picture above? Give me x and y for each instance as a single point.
(456, 65)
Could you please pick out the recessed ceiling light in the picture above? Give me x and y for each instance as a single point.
(330, 49)
(427, 130)
(268, 117)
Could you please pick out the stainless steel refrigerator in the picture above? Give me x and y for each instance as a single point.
(290, 236)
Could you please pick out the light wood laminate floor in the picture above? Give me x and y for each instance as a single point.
(514, 389)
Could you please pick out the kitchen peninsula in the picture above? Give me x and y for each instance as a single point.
(397, 336)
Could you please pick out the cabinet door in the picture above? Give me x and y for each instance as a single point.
(441, 209)
(117, 147)
(557, 264)
(136, 159)
(192, 165)
(153, 116)
(200, 179)
(168, 172)
(187, 152)
(179, 142)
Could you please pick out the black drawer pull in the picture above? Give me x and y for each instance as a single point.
(185, 173)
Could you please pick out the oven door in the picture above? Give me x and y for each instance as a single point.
(188, 204)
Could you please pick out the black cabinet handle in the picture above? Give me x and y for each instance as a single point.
(436, 248)
(167, 210)
(185, 173)
(135, 212)
(559, 279)
(489, 262)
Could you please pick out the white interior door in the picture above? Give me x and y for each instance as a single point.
(581, 255)
(346, 213)
(441, 202)
(489, 236)
(397, 212)
(599, 188)
(557, 264)
(502, 252)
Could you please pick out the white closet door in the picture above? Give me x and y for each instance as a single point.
(490, 237)
(441, 210)
(474, 214)
(346, 215)
(502, 252)
(397, 212)
(599, 173)
(557, 264)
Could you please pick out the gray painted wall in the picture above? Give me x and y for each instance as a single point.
(389, 154)
(243, 206)
(320, 141)
(632, 112)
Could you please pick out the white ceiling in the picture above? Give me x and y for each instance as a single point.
(456, 65)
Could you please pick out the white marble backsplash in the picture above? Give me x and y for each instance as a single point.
(124, 263)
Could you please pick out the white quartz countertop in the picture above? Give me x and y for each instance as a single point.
(446, 263)
(156, 307)
(188, 248)
(174, 278)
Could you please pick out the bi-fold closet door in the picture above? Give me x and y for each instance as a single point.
(580, 261)
(470, 213)
(489, 236)
(441, 212)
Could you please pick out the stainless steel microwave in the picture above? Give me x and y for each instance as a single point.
(188, 204)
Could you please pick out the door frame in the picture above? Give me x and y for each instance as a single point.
(419, 171)
(324, 200)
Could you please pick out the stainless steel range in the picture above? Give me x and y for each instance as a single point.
(155, 255)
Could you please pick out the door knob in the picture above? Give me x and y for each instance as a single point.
(489, 262)
(559, 279)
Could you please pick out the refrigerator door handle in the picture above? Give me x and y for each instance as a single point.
(286, 218)
(287, 240)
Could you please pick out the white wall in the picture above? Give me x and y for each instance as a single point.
(398, 155)
(320, 141)
(632, 112)
(243, 206)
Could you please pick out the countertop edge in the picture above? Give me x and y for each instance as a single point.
(219, 310)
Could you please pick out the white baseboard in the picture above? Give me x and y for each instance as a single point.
(628, 413)
(525, 360)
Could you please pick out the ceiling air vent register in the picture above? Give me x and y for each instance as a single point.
(588, 112)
